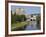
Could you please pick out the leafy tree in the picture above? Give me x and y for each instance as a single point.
(20, 18)
(15, 18)
(38, 21)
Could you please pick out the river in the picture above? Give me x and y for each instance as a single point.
(31, 26)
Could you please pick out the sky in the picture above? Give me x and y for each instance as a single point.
(28, 9)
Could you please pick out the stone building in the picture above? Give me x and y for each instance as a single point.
(20, 11)
(31, 17)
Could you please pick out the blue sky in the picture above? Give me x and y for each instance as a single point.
(28, 9)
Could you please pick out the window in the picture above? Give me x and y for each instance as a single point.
(31, 20)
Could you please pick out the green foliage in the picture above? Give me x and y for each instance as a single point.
(15, 18)
(18, 24)
(12, 18)
(20, 18)
(38, 21)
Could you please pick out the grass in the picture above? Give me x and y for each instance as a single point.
(18, 24)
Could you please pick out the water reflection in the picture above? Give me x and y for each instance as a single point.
(31, 26)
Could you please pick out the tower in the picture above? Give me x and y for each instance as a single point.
(20, 11)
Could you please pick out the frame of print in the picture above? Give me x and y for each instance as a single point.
(24, 18)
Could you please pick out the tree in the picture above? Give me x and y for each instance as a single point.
(13, 17)
(20, 18)
(38, 21)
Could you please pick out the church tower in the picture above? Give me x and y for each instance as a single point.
(20, 11)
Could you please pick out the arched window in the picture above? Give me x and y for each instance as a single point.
(31, 20)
